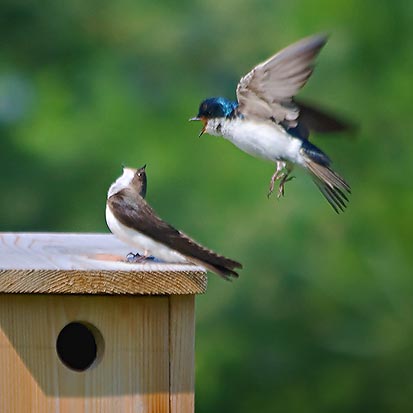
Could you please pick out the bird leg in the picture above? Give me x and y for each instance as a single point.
(277, 175)
(138, 258)
(285, 177)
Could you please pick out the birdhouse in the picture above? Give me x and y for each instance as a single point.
(83, 331)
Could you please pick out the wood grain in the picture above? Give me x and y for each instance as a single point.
(87, 264)
(132, 375)
(182, 353)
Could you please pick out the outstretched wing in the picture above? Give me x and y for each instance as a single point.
(141, 217)
(267, 90)
(322, 121)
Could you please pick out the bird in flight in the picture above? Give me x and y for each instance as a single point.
(267, 122)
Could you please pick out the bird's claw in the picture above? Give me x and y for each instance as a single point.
(281, 188)
(137, 258)
(274, 178)
(270, 190)
(284, 178)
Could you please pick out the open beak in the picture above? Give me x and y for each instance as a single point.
(204, 121)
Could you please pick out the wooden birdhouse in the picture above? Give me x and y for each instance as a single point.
(83, 331)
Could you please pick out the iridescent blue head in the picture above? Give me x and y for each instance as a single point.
(217, 108)
(212, 108)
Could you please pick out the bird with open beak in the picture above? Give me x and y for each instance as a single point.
(267, 122)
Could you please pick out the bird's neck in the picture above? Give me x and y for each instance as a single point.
(218, 126)
(214, 126)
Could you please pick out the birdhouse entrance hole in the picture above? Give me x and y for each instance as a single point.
(79, 345)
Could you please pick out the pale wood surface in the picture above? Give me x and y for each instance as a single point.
(182, 353)
(132, 376)
(87, 264)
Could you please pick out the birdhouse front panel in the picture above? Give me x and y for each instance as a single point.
(127, 370)
(83, 331)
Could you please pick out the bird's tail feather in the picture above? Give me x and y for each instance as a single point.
(198, 254)
(205, 257)
(220, 265)
(330, 183)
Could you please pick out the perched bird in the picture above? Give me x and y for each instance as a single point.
(133, 221)
(266, 121)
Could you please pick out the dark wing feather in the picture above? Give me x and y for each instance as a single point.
(321, 121)
(134, 212)
(267, 90)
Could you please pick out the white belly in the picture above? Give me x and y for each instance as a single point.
(263, 140)
(143, 243)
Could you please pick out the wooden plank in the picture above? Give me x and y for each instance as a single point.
(132, 375)
(182, 353)
(89, 264)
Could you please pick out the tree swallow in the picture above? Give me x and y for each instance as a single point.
(266, 121)
(133, 221)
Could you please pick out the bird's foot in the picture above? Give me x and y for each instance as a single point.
(274, 178)
(138, 258)
(284, 179)
(278, 174)
(272, 183)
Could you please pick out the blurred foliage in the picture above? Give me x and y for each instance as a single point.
(321, 318)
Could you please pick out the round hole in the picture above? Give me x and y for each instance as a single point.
(79, 345)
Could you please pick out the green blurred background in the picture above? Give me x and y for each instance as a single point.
(321, 318)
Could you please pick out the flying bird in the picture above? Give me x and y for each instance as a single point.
(267, 122)
(133, 221)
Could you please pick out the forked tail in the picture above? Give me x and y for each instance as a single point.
(330, 183)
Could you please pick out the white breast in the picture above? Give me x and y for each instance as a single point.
(122, 182)
(144, 244)
(263, 140)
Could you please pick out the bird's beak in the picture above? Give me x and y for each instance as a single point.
(203, 120)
